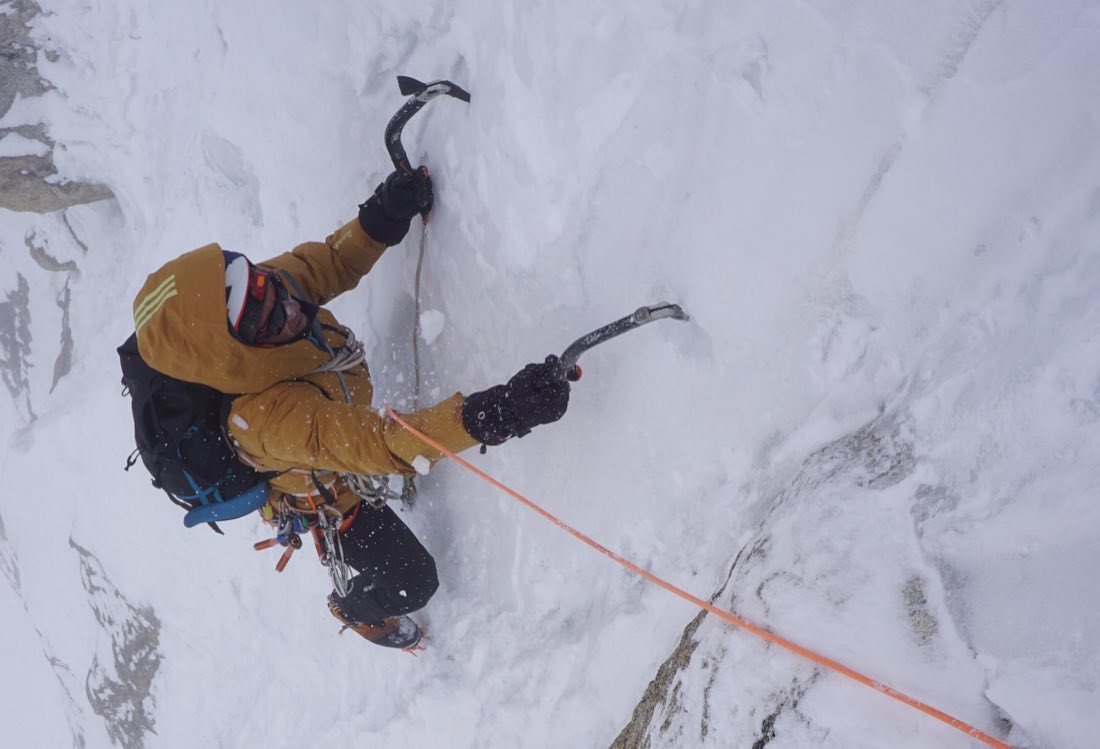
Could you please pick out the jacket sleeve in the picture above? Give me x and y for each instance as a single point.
(294, 425)
(325, 270)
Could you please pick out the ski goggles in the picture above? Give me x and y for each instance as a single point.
(253, 326)
(277, 319)
(247, 288)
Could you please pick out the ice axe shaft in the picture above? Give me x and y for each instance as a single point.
(636, 319)
(419, 94)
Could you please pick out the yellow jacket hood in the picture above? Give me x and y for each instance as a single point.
(183, 331)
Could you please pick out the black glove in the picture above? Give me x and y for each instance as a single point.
(386, 214)
(537, 394)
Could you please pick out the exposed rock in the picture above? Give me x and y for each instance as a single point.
(923, 624)
(9, 566)
(41, 255)
(635, 735)
(65, 677)
(876, 456)
(24, 186)
(63, 364)
(72, 232)
(27, 183)
(661, 693)
(120, 691)
(930, 501)
(15, 347)
(18, 74)
(786, 702)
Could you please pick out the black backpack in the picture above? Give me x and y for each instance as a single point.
(180, 435)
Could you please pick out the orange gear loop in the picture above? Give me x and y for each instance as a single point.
(720, 613)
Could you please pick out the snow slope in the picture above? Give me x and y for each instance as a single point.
(877, 435)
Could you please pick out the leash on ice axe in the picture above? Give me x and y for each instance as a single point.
(419, 94)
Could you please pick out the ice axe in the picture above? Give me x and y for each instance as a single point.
(639, 317)
(419, 94)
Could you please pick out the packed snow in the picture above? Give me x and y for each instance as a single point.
(14, 144)
(877, 436)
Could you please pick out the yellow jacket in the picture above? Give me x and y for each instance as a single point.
(289, 417)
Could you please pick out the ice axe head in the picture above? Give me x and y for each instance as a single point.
(419, 94)
(412, 87)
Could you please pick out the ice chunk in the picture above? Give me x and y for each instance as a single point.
(421, 465)
(431, 324)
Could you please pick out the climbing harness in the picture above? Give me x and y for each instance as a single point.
(325, 524)
(326, 538)
(323, 521)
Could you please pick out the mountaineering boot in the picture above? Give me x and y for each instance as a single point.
(394, 632)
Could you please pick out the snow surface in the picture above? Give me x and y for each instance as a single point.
(881, 214)
(14, 144)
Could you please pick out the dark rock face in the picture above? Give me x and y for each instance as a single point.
(119, 681)
(29, 183)
(876, 456)
(662, 694)
(24, 180)
(18, 74)
(15, 347)
(119, 686)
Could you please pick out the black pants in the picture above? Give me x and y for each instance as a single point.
(396, 573)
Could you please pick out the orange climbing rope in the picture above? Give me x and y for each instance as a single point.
(782, 642)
